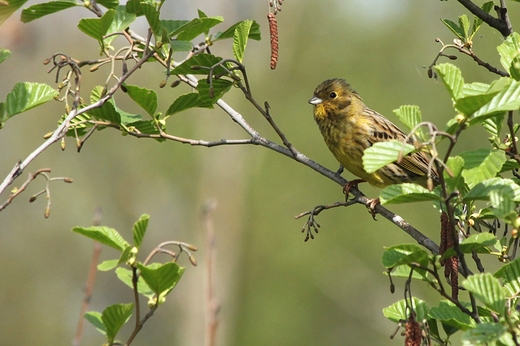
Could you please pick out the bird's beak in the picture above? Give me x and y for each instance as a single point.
(315, 100)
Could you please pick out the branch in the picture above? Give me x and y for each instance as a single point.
(496, 23)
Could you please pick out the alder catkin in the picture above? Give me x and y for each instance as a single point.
(273, 34)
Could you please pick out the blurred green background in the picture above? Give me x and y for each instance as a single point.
(273, 288)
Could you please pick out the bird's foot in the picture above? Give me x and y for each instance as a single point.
(371, 205)
(350, 184)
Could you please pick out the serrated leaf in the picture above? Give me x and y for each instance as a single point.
(476, 242)
(25, 96)
(455, 165)
(451, 315)
(458, 31)
(404, 254)
(399, 311)
(94, 318)
(196, 27)
(464, 25)
(509, 165)
(119, 21)
(146, 98)
(485, 333)
(7, 10)
(161, 279)
(477, 22)
(91, 27)
(493, 125)
(254, 32)
(406, 193)
(39, 10)
(383, 153)
(139, 229)
(146, 126)
(403, 271)
(104, 235)
(220, 87)
(206, 60)
(4, 54)
(107, 265)
(114, 317)
(240, 39)
(108, 3)
(506, 100)
(410, 115)
(125, 276)
(451, 76)
(509, 49)
(481, 164)
(510, 275)
(152, 16)
(514, 70)
(181, 46)
(482, 190)
(187, 101)
(171, 25)
(488, 290)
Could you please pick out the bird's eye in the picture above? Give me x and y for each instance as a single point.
(333, 95)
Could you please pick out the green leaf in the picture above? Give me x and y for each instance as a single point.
(181, 46)
(172, 25)
(91, 27)
(4, 54)
(107, 265)
(114, 317)
(240, 39)
(220, 87)
(104, 235)
(406, 193)
(482, 190)
(139, 229)
(476, 95)
(481, 164)
(161, 279)
(196, 27)
(509, 50)
(464, 25)
(476, 242)
(187, 101)
(410, 115)
(398, 311)
(94, 318)
(403, 271)
(493, 125)
(108, 111)
(514, 70)
(125, 276)
(404, 254)
(146, 126)
(25, 96)
(451, 76)
(152, 16)
(510, 275)
(199, 60)
(146, 98)
(254, 32)
(37, 11)
(7, 10)
(119, 21)
(477, 22)
(483, 334)
(108, 3)
(458, 31)
(487, 289)
(506, 100)
(455, 165)
(383, 153)
(451, 315)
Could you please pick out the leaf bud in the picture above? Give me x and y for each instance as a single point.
(162, 84)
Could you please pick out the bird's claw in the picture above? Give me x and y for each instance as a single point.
(371, 205)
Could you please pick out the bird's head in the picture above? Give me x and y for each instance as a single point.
(331, 97)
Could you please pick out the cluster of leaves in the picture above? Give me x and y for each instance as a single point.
(488, 175)
(170, 36)
(154, 281)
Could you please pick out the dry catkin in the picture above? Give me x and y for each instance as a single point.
(273, 33)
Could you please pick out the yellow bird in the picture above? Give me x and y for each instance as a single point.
(349, 127)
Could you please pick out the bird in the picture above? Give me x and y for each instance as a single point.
(348, 127)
